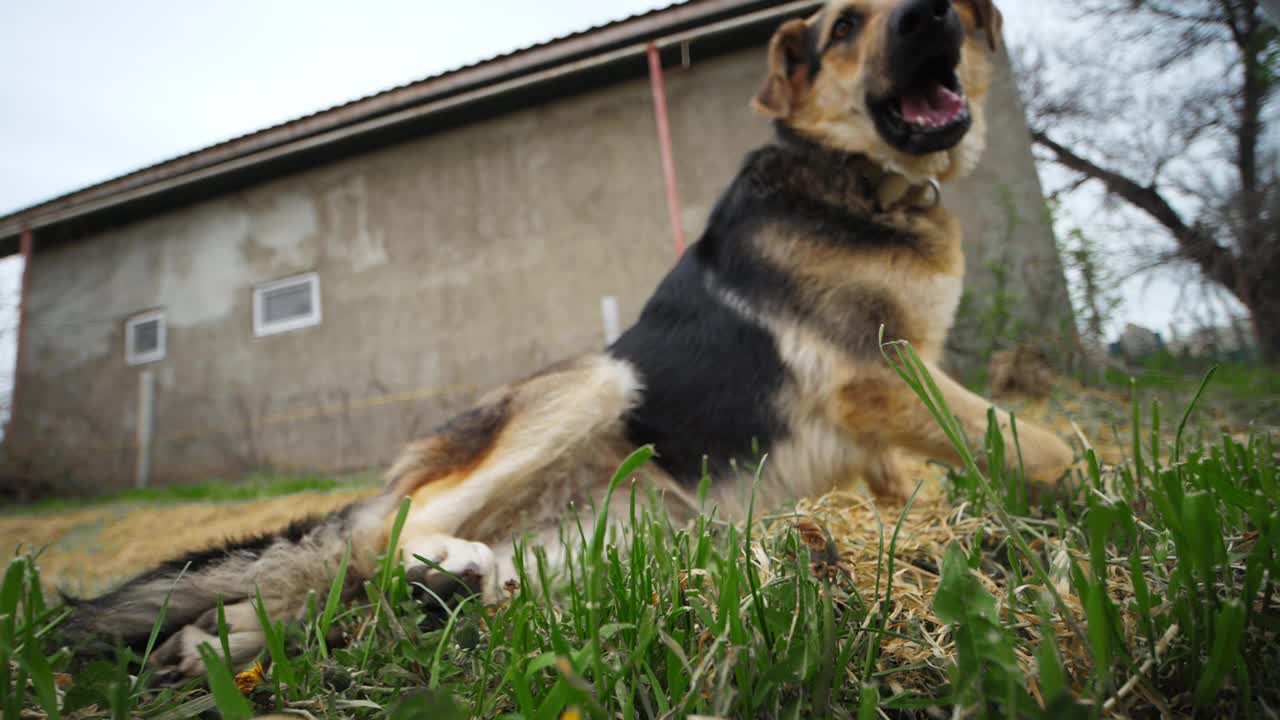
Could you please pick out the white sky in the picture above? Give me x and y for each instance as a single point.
(92, 90)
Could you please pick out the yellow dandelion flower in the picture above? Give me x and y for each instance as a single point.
(249, 679)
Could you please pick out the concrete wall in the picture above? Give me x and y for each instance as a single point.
(448, 264)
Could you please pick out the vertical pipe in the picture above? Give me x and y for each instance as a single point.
(664, 144)
(612, 318)
(26, 245)
(146, 424)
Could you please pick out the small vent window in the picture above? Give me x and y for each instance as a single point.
(285, 305)
(144, 338)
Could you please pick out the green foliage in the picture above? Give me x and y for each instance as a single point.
(1239, 389)
(986, 673)
(1095, 295)
(1166, 371)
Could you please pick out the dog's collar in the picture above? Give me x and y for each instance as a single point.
(892, 191)
(887, 191)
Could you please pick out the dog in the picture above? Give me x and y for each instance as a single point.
(762, 341)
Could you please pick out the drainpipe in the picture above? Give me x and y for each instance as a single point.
(664, 145)
(26, 243)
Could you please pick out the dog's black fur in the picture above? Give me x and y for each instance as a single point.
(711, 375)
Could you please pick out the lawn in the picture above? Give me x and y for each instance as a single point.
(1146, 589)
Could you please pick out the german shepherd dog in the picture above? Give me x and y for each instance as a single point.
(763, 339)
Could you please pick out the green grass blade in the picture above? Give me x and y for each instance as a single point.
(753, 578)
(156, 627)
(10, 593)
(1228, 628)
(391, 558)
(231, 704)
(281, 667)
(1186, 415)
(1139, 468)
(594, 569)
(42, 677)
(442, 641)
(223, 636)
(332, 601)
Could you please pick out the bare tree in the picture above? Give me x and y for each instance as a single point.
(1166, 105)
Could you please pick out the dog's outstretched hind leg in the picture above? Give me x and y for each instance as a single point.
(178, 657)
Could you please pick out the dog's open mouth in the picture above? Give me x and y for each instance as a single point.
(928, 113)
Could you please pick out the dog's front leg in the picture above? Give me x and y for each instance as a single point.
(444, 569)
(458, 568)
(880, 405)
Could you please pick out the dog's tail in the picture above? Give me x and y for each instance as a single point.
(284, 567)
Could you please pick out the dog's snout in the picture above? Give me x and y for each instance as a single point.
(922, 33)
(922, 20)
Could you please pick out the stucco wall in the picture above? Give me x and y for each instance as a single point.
(448, 264)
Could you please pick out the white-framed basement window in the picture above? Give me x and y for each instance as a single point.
(288, 304)
(144, 338)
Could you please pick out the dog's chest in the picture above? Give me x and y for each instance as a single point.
(930, 304)
(924, 284)
(818, 454)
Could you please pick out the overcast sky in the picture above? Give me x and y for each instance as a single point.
(92, 90)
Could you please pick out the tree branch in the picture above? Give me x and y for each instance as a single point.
(1194, 242)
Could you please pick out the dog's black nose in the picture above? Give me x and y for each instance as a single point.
(922, 20)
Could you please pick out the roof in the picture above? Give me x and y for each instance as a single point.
(535, 73)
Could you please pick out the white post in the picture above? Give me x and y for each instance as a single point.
(146, 422)
(612, 324)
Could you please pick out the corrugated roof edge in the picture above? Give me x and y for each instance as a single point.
(556, 51)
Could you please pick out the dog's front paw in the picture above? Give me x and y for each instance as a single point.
(1048, 461)
(177, 659)
(885, 479)
(446, 570)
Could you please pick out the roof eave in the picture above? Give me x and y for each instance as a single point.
(506, 74)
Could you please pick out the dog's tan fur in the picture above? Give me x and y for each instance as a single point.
(530, 452)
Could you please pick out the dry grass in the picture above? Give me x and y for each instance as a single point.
(859, 526)
(87, 551)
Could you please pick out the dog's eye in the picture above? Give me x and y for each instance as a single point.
(842, 28)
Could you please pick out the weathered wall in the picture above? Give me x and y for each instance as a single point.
(448, 264)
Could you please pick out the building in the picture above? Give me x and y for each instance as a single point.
(310, 296)
(1137, 342)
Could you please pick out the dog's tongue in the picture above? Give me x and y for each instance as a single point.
(933, 105)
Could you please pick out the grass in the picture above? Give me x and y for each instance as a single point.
(256, 487)
(1148, 590)
(1239, 387)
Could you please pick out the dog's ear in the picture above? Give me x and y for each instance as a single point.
(788, 70)
(987, 17)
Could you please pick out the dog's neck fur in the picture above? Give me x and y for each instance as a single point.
(885, 190)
